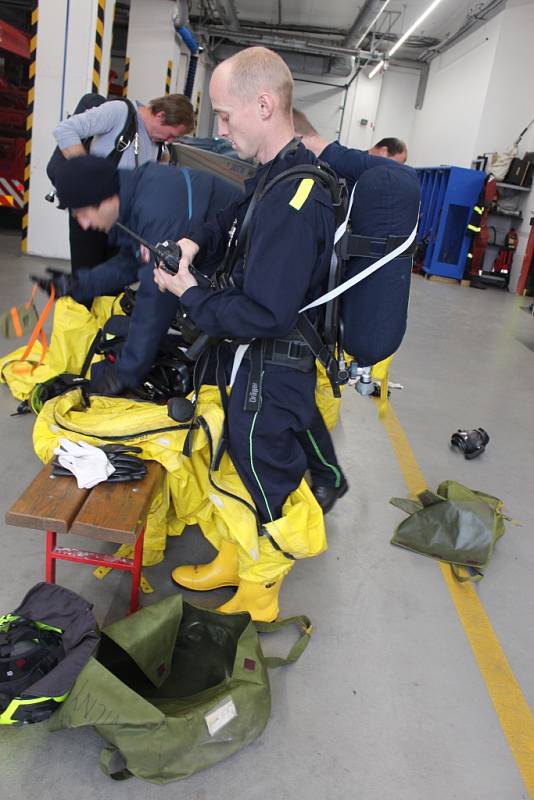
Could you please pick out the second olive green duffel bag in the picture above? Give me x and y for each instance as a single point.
(175, 689)
(456, 524)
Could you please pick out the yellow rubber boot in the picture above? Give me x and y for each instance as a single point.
(222, 571)
(258, 599)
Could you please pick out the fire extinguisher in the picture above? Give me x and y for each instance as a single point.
(511, 240)
(503, 262)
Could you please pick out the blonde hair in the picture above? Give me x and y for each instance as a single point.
(257, 68)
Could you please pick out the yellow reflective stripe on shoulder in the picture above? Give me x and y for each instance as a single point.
(302, 193)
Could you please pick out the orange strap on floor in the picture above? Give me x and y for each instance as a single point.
(16, 321)
(38, 332)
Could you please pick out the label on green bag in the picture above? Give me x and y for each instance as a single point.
(220, 716)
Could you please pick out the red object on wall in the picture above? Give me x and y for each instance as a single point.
(480, 241)
(528, 261)
(14, 41)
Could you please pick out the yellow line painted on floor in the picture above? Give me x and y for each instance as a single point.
(515, 716)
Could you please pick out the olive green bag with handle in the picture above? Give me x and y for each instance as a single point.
(456, 524)
(175, 689)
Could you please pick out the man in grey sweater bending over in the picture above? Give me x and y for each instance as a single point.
(162, 120)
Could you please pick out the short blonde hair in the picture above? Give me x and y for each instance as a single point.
(257, 68)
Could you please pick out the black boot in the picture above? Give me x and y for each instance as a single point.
(327, 496)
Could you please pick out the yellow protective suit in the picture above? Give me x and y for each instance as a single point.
(187, 495)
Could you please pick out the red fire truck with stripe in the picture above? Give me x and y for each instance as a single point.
(14, 60)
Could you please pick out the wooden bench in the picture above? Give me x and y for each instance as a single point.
(110, 512)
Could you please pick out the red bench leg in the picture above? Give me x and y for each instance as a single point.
(50, 561)
(136, 572)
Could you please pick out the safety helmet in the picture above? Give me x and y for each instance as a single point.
(28, 651)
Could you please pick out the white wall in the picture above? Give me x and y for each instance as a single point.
(151, 44)
(509, 101)
(446, 128)
(396, 107)
(47, 226)
(361, 104)
(508, 105)
(322, 104)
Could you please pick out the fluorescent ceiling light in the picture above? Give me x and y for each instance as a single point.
(362, 37)
(376, 69)
(405, 36)
(416, 24)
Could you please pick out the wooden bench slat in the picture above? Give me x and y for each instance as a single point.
(116, 512)
(48, 503)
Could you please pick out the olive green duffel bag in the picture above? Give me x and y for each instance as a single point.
(175, 689)
(457, 524)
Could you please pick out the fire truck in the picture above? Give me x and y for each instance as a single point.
(14, 61)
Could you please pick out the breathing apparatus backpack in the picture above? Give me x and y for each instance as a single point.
(44, 644)
(365, 309)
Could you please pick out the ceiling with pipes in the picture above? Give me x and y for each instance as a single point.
(337, 37)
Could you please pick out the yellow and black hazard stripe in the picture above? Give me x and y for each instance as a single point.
(29, 125)
(168, 77)
(125, 77)
(99, 37)
(197, 111)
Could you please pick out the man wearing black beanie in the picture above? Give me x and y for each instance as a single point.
(159, 203)
(86, 182)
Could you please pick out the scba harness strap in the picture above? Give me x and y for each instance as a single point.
(294, 350)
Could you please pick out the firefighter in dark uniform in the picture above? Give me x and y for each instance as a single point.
(280, 264)
(157, 202)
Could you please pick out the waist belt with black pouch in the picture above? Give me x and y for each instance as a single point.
(291, 352)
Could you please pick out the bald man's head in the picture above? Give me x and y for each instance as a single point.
(257, 69)
(251, 93)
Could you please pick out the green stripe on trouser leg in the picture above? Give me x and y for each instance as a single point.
(335, 471)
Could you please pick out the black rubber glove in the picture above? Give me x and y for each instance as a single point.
(104, 380)
(62, 282)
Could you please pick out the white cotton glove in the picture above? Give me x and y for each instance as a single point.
(90, 465)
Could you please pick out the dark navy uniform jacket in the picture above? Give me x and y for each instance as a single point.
(290, 245)
(351, 163)
(158, 202)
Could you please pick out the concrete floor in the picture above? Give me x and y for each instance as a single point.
(388, 702)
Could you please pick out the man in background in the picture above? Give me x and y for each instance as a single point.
(158, 203)
(161, 121)
(390, 148)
